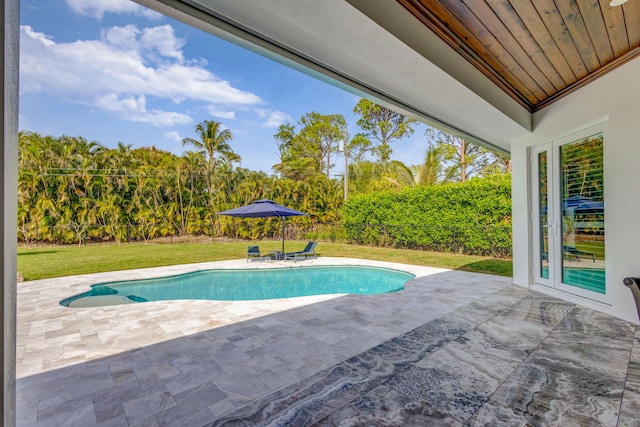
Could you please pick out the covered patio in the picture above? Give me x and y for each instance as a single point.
(552, 84)
(460, 348)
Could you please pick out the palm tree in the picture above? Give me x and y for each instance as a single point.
(431, 171)
(214, 140)
(366, 176)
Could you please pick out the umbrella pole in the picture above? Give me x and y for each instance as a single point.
(283, 235)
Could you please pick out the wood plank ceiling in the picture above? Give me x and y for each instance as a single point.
(536, 50)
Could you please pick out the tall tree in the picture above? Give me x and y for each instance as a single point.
(71, 190)
(296, 160)
(503, 162)
(464, 158)
(309, 151)
(357, 146)
(321, 134)
(384, 125)
(214, 140)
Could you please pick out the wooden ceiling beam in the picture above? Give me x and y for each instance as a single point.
(616, 29)
(531, 32)
(501, 76)
(631, 12)
(597, 30)
(536, 51)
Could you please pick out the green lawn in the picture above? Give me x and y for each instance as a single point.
(596, 248)
(56, 261)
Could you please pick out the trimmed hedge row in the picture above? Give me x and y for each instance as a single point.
(472, 218)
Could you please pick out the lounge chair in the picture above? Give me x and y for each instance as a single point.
(571, 251)
(254, 252)
(308, 251)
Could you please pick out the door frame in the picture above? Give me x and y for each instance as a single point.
(536, 216)
(554, 215)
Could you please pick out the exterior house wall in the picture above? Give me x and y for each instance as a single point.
(613, 100)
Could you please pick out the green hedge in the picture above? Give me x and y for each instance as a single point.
(472, 218)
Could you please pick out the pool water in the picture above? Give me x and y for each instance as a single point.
(591, 279)
(585, 278)
(242, 285)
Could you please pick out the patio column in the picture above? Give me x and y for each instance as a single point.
(8, 209)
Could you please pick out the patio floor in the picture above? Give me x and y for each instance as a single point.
(453, 348)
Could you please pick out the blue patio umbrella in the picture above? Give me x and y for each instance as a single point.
(580, 205)
(262, 209)
(583, 205)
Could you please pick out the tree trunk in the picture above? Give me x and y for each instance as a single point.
(463, 161)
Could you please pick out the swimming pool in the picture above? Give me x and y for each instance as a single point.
(242, 285)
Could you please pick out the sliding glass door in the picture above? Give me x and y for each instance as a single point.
(569, 249)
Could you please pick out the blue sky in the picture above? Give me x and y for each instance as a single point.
(112, 71)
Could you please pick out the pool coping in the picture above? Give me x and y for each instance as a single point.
(116, 297)
(51, 336)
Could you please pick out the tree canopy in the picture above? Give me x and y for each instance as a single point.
(383, 125)
(214, 140)
(463, 159)
(72, 190)
(309, 151)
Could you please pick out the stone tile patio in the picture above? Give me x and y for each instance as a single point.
(453, 348)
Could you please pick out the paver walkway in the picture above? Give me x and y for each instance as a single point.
(453, 348)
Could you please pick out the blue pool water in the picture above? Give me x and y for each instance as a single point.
(585, 278)
(592, 279)
(239, 285)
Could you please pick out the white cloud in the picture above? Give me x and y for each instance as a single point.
(215, 112)
(273, 118)
(154, 42)
(163, 40)
(97, 8)
(135, 110)
(173, 135)
(39, 37)
(122, 72)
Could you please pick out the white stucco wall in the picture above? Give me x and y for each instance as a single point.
(614, 99)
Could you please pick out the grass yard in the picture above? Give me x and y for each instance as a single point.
(56, 261)
(595, 247)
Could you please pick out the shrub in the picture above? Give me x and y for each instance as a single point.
(471, 218)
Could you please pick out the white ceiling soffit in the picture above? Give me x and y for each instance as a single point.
(334, 41)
